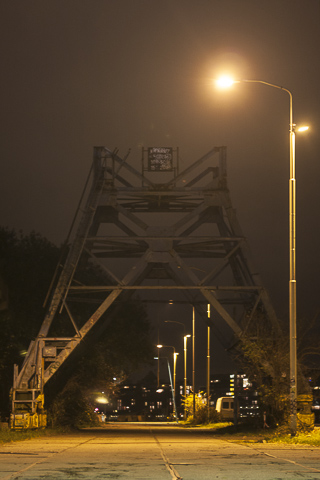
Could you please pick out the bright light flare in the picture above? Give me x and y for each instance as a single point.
(303, 128)
(224, 82)
(101, 400)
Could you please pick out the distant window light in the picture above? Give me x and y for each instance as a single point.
(246, 383)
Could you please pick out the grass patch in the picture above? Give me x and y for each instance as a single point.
(302, 438)
(247, 434)
(7, 435)
(213, 426)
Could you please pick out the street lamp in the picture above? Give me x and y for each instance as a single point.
(208, 365)
(226, 82)
(185, 339)
(175, 321)
(102, 400)
(193, 362)
(175, 354)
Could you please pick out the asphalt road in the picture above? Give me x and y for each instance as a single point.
(154, 452)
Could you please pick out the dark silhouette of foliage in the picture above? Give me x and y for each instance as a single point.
(27, 264)
(264, 357)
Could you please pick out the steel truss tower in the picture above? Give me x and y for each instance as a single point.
(160, 232)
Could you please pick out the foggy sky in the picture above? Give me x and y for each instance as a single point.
(132, 73)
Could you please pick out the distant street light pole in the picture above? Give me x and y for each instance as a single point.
(185, 338)
(175, 354)
(193, 362)
(158, 366)
(208, 368)
(226, 82)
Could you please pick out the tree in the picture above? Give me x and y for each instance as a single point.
(308, 338)
(27, 263)
(122, 347)
(264, 357)
(201, 409)
(26, 266)
(266, 362)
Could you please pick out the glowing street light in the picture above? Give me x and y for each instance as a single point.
(193, 363)
(225, 82)
(175, 354)
(302, 129)
(185, 339)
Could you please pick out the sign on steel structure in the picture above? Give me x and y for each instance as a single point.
(160, 159)
(192, 220)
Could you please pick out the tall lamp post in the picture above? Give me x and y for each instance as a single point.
(175, 354)
(185, 339)
(193, 362)
(226, 82)
(208, 366)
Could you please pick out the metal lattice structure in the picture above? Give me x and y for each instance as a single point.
(179, 236)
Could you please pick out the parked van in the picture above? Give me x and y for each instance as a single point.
(225, 406)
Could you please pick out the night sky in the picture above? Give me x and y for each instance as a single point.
(132, 73)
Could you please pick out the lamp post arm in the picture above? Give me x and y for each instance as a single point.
(280, 88)
(179, 323)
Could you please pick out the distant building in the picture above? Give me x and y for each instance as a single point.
(146, 401)
(238, 386)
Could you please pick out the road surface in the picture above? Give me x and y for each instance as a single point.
(154, 452)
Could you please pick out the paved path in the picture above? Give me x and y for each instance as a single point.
(154, 452)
